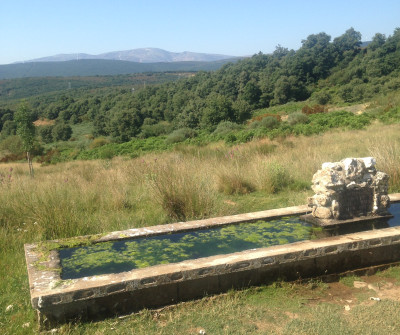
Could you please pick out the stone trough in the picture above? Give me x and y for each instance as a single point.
(95, 297)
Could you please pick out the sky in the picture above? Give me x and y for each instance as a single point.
(32, 29)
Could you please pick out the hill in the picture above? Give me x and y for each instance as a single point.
(101, 67)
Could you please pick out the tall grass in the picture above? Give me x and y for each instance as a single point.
(191, 182)
(182, 189)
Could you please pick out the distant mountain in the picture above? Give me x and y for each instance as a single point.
(101, 67)
(142, 55)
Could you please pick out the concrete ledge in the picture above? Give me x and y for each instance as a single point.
(96, 297)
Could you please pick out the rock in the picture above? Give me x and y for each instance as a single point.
(369, 162)
(341, 181)
(323, 213)
(354, 168)
(385, 201)
(335, 209)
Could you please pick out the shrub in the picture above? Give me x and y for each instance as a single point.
(12, 144)
(46, 133)
(316, 109)
(226, 127)
(98, 142)
(180, 135)
(322, 97)
(269, 122)
(61, 132)
(157, 129)
(298, 118)
(255, 125)
(277, 178)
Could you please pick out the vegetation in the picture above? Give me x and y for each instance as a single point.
(242, 95)
(244, 138)
(93, 197)
(93, 67)
(26, 131)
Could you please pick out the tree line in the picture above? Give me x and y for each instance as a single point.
(322, 70)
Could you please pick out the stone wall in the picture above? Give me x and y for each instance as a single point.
(349, 188)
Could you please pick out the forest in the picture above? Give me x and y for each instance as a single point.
(236, 103)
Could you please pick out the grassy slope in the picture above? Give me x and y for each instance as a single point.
(78, 198)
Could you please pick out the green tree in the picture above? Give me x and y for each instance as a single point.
(26, 131)
(46, 133)
(61, 132)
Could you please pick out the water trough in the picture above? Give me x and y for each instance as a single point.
(92, 297)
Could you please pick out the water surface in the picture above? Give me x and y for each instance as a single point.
(126, 255)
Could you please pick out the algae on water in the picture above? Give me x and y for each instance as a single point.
(119, 256)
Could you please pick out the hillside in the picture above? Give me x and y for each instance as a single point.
(276, 95)
(101, 67)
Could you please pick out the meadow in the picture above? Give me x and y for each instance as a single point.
(188, 182)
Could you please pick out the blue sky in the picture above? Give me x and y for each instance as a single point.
(37, 28)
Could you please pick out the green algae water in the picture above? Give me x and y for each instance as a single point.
(126, 255)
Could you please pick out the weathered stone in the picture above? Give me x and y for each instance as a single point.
(349, 188)
(335, 209)
(322, 212)
(369, 162)
(354, 169)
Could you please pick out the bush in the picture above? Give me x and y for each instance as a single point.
(180, 135)
(150, 130)
(46, 133)
(298, 118)
(322, 97)
(61, 132)
(98, 142)
(277, 178)
(13, 145)
(269, 122)
(226, 127)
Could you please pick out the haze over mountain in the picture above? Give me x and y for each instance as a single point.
(141, 55)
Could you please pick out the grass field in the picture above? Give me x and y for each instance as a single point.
(87, 197)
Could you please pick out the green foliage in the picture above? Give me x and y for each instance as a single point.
(9, 128)
(46, 133)
(180, 135)
(226, 127)
(25, 128)
(297, 118)
(122, 108)
(61, 132)
(277, 177)
(12, 144)
(269, 122)
(98, 142)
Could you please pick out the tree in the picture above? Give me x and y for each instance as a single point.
(61, 132)
(26, 131)
(46, 134)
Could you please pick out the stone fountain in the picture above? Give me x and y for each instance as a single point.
(348, 191)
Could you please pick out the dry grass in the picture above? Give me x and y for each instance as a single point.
(78, 198)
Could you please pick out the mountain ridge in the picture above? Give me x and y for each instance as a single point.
(139, 55)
